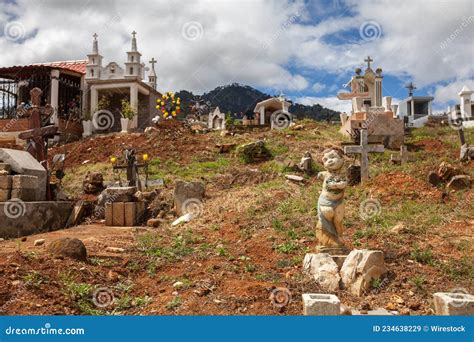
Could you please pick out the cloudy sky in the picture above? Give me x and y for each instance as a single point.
(305, 49)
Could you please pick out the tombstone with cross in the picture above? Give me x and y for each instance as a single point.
(410, 86)
(364, 149)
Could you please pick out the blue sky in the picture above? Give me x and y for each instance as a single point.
(305, 49)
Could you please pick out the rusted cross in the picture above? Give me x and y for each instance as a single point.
(37, 135)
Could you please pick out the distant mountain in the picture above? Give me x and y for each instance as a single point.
(241, 99)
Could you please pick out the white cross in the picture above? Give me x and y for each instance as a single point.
(364, 149)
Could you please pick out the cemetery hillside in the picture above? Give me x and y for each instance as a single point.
(251, 228)
(269, 159)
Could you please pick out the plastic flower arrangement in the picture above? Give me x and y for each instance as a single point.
(169, 104)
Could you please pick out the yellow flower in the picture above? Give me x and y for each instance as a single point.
(145, 156)
(113, 160)
(173, 113)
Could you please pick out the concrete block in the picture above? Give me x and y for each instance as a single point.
(5, 182)
(26, 195)
(28, 218)
(130, 209)
(108, 214)
(5, 167)
(24, 163)
(24, 182)
(453, 304)
(118, 214)
(320, 304)
(140, 211)
(5, 195)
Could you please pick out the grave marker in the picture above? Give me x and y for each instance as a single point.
(364, 149)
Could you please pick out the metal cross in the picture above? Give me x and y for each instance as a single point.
(134, 33)
(152, 62)
(364, 149)
(368, 60)
(95, 35)
(410, 86)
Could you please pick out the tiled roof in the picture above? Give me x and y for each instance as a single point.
(77, 66)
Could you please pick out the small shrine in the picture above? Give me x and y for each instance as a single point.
(371, 110)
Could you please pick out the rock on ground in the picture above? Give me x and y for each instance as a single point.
(360, 268)
(323, 269)
(460, 182)
(254, 152)
(67, 247)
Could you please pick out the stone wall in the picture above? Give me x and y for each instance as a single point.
(27, 218)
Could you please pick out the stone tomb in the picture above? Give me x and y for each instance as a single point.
(23, 209)
(29, 180)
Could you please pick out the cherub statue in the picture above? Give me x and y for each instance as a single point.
(330, 203)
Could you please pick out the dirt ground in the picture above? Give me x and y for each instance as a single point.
(252, 235)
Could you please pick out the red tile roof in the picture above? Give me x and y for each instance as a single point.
(77, 66)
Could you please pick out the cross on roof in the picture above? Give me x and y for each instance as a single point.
(410, 86)
(363, 149)
(152, 62)
(95, 35)
(368, 60)
(134, 33)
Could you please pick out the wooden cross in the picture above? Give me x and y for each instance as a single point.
(403, 157)
(368, 60)
(37, 135)
(364, 149)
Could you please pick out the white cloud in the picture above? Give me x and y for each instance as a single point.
(318, 87)
(329, 102)
(253, 42)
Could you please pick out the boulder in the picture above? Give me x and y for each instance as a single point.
(67, 247)
(360, 268)
(466, 153)
(188, 196)
(93, 183)
(446, 171)
(323, 269)
(254, 152)
(459, 182)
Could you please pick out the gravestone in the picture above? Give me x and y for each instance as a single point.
(23, 163)
(364, 149)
